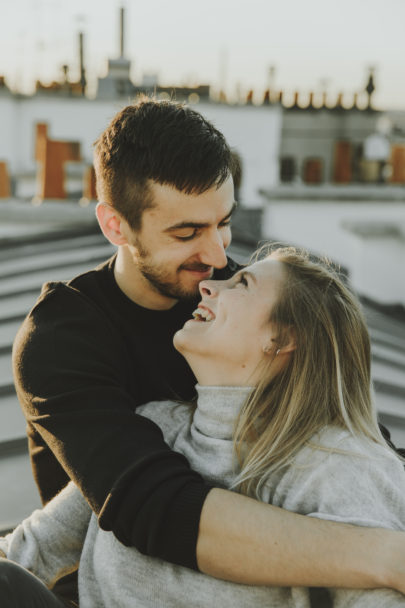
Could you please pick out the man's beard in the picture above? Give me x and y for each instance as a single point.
(157, 277)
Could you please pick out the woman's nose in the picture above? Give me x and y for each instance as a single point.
(208, 289)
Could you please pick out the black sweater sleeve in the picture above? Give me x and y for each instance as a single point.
(69, 373)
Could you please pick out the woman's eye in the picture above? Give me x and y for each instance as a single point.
(226, 224)
(242, 280)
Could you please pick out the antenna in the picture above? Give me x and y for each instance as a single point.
(82, 69)
(82, 79)
(122, 39)
(370, 86)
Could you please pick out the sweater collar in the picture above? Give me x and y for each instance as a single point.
(218, 408)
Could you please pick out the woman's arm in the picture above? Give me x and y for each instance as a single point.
(49, 542)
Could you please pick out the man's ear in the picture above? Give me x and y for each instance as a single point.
(111, 224)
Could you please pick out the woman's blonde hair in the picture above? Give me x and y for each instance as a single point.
(326, 380)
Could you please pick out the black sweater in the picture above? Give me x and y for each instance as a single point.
(85, 357)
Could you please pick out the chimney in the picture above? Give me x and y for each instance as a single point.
(339, 101)
(122, 16)
(82, 70)
(65, 70)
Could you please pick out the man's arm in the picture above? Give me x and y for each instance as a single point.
(366, 490)
(70, 382)
(71, 375)
(247, 541)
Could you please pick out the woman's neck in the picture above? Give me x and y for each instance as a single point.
(210, 372)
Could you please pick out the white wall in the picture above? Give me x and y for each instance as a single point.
(253, 131)
(76, 120)
(8, 124)
(378, 269)
(376, 265)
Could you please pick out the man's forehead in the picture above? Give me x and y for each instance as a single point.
(175, 208)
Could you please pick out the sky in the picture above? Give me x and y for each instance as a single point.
(294, 45)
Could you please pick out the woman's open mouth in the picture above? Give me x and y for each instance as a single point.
(203, 314)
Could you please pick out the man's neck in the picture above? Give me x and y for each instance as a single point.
(135, 286)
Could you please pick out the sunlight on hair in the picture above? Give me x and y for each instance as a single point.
(327, 380)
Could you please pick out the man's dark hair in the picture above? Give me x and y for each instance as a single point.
(163, 141)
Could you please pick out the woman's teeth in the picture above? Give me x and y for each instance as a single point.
(201, 314)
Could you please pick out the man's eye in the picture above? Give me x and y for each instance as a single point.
(225, 224)
(187, 237)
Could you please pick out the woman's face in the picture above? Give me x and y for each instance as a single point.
(231, 327)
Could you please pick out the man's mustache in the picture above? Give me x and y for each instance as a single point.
(197, 266)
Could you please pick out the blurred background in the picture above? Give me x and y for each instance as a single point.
(311, 97)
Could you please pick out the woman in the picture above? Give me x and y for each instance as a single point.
(284, 413)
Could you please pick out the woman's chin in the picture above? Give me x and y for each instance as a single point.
(177, 340)
(183, 342)
(189, 336)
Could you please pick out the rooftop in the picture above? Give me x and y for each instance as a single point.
(58, 240)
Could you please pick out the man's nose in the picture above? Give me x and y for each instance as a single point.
(213, 251)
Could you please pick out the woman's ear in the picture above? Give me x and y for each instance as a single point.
(111, 224)
(289, 341)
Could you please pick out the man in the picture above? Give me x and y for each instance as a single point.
(95, 348)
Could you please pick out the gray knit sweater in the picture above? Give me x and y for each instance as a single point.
(365, 486)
